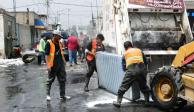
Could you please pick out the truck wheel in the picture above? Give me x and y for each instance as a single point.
(165, 87)
(28, 58)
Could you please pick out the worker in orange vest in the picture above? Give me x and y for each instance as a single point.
(94, 46)
(55, 64)
(135, 71)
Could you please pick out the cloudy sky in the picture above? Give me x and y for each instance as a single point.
(80, 12)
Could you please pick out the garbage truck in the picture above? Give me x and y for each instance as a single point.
(160, 28)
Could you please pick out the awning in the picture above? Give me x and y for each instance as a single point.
(39, 24)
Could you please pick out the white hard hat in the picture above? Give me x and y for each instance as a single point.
(57, 32)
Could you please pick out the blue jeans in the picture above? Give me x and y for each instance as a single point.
(72, 56)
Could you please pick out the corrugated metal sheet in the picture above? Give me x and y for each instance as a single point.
(110, 74)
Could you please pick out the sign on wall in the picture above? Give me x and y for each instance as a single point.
(168, 4)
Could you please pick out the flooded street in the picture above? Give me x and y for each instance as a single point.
(23, 90)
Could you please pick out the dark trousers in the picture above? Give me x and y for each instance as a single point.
(91, 69)
(61, 76)
(41, 57)
(135, 72)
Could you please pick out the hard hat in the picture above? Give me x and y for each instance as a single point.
(57, 32)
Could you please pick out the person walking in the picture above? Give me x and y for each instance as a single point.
(72, 43)
(94, 46)
(41, 48)
(55, 64)
(81, 50)
(135, 71)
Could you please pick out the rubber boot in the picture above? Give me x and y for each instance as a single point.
(48, 87)
(118, 102)
(146, 96)
(86, 85)
(62, 91)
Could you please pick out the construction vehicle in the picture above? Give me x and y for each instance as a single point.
(172, 86)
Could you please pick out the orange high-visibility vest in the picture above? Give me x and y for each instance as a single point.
(133, 55)
(89, 56)
(51, 56)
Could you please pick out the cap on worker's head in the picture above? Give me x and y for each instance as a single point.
(127, 44)
(100, 36)
(56, 32)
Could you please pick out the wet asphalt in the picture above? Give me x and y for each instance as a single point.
(22, 89)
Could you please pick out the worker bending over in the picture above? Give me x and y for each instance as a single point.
(135, 71)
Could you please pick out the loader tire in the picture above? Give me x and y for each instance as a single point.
(165, 87)
(28, 58)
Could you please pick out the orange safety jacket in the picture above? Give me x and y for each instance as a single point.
(51, 56)
(133, 55)
(89, 56)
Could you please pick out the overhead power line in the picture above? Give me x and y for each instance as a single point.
(67, 4)
(70, 14)
(27, 5)
(79, 5)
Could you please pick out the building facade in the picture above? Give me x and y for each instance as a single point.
(7, 34)
(28, 33)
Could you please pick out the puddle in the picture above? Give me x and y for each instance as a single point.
(13, 91)
(76, 78)
(10, 77)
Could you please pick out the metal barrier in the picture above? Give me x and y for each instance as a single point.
(110, 74)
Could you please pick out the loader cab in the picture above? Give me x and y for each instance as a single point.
(190, 13)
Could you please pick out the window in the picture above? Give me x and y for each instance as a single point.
(192, 14)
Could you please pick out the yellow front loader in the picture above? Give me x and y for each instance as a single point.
(173, 86)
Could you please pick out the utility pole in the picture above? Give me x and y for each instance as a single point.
(68, 10)
(92, 15)
(58, 17)
(14, 8)
(47, 10)
(55, 20)
(97, 18)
